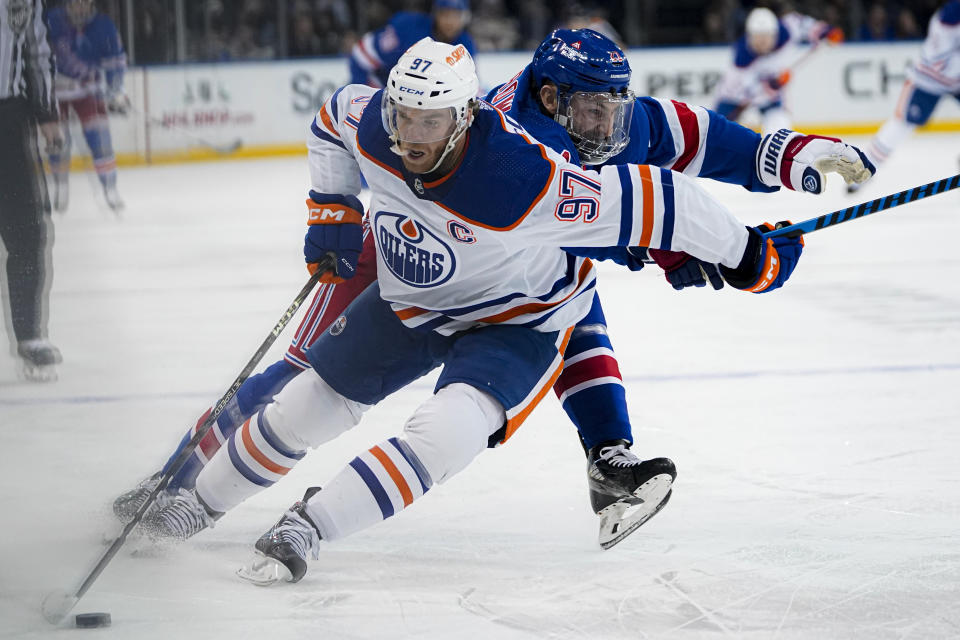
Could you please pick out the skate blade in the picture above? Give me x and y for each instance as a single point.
(264, 571)
(622, 518)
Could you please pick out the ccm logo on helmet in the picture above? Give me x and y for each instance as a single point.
(416, 92)
(456, 55)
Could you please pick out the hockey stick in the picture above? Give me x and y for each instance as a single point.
(58, 604)
(866, 208)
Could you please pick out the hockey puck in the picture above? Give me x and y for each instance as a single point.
(92, 620)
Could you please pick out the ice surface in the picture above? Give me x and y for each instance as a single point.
(816, 432)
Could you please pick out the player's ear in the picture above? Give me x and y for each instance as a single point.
(548, 97)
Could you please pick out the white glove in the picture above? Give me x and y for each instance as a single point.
(797, 161)
(118, 103)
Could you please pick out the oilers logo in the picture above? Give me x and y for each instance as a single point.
(412, 252)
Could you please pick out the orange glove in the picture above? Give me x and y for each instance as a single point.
(834, 36)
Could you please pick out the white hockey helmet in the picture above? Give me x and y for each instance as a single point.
(433, 77)
(762, 21)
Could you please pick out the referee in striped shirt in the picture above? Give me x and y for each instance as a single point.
(26, 101)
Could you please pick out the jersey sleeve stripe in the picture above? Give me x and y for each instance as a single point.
(334, 104)
(690, 130)
(669, 213)
(326, 137)
(646, 184)
(327, 122)
(362, 54)
(626, 205)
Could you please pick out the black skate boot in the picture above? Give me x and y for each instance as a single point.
(184, 515)
(626, 491)
(282, 551)
(127, 504)
(39, 360)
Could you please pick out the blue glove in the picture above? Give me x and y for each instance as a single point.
(767, 263)
(334, 230)
(683, 270)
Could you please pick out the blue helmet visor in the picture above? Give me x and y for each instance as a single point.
(598, 122)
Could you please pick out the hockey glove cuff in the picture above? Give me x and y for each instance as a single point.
(683, 270)
(798, 162)
(767, 263)
(335, 229)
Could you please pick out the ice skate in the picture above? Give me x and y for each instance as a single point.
(183, 516)
(113, 199)
(128, 503)
(61, 194)
(624, 490)
(282, 551)
(38, 360)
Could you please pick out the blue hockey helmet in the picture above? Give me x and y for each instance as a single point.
(581, 60)
(594, 102)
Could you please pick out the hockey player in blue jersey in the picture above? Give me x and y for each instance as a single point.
(574, 97)
(376, 52)
(430, 150)
(90, 68)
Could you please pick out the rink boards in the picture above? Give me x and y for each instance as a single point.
(258, 109)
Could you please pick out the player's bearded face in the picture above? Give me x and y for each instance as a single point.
(422, 135)
(598, 122)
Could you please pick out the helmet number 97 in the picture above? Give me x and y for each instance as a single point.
(419, 64)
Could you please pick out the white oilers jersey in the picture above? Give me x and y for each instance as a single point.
(938, 70)
(747, 81)
(482, 245)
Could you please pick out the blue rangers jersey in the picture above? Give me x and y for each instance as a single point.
(665, 133)
(482, 245)
(90, 59)
(378, 51)
(938, 70)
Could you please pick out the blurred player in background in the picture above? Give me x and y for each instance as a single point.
(90, 67)
(376, 52)
(762, 62)
(27, 99)
(935, 75)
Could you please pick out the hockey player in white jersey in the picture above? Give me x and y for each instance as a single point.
(762, 62)
(935, 75)
(469, 215)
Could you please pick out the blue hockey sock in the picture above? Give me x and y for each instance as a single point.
(590, 387)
